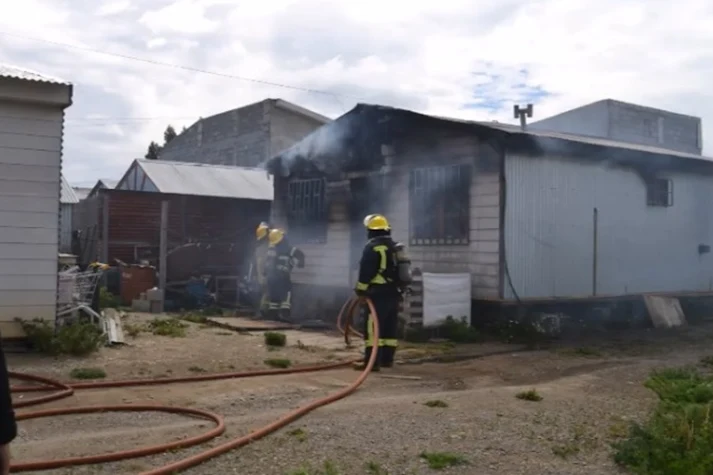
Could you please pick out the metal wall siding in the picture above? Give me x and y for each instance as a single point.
(549, 231)
(65, 228)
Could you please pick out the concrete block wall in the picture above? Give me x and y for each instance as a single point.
(630, 123)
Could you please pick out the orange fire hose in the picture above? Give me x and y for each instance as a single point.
(65, 390)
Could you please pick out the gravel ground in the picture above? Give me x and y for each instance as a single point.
(588, 399)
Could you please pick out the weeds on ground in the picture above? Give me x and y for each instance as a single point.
(87, 373)
(76, 339)
(531, 395)
(373, 468)
(452, 329)
(299, 434)
(133, 330)
(436, 403)
(108, 300)
(328, 468)
(196, 369)
(677, 438)
(278, 362)
(441, 460)
(275, 339)
(566, 450)
(707, 361)
(194, 318)
(168, 327)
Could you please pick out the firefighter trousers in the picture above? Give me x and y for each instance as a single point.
(387, 308)
(279, 295)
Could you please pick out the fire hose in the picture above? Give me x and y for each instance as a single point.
(63, 390)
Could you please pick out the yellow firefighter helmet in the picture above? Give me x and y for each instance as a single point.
(276, 236)
(262, 230)
(376, 222)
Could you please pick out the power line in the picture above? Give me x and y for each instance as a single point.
(178, 66)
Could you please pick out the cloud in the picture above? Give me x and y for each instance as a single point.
(463, 58)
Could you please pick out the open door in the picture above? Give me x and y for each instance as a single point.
(367, 197)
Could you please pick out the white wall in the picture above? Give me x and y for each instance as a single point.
(30, 161)
(549, 230)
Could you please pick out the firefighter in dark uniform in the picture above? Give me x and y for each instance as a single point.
(261, 245)
(281, 258)
(378, 280)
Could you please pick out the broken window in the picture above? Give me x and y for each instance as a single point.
(659, 192)
(440, 205)
(307, 211)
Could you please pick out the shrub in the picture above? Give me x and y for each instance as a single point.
(677, 438)
(275, 339)
(76, 339)
(168, 327)
(107, 299)
(87, 373)
(278, 363)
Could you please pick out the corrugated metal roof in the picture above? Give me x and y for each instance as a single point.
(67, 194)
(15, 72)
(109, 182)
(208, 180)
(81, 191)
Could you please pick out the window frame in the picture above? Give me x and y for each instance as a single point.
(307, 227)
(659, 192)
(454, 181)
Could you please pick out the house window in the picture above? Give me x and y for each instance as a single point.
(307, 211)
(440, 205)
(659, 192)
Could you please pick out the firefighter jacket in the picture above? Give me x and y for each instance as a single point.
(378, 271)
(281, 259)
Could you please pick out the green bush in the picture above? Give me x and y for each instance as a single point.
(458, 331)
(168, 327)
(107, 299)
(275, 339)
(677, 439)
(76, 339)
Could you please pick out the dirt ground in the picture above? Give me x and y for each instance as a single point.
(589, 395)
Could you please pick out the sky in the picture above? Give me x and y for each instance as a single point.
(471, 59)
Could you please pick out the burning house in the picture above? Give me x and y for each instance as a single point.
(531, 216)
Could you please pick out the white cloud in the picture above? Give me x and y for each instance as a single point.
(432, 56)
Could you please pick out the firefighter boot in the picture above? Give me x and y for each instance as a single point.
(361, 365)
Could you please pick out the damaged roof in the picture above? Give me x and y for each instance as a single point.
(198, 179)
(15, 72)
(375, 125)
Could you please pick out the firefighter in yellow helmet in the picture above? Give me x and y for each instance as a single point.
(281, 259)
(379, 280)
(261, 245)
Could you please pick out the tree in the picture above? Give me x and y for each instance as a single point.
(169, 135)
(154, 151)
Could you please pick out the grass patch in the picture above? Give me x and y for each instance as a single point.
(531, 395)
(168, 327)
(328, 468)
(196, 369)
(298, 434)
(707, 361)
(677, 437)
(435, 403)
(441, 460)
(194, 318)
(373, 468)
(275, 339)
(87, 373)
(133, 330)
(278, 362)
(76, 339)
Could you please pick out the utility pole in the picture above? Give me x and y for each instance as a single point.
(522, 114)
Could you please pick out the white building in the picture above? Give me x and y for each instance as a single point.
(31, 131)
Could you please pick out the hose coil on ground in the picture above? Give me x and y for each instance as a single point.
(62, 390)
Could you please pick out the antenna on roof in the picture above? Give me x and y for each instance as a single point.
(522, 114)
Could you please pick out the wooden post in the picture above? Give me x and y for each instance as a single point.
(105, 228)
(595, 250)
(163, 251)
